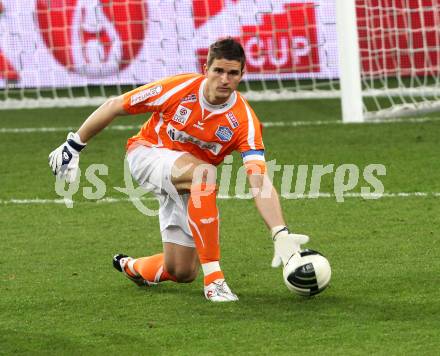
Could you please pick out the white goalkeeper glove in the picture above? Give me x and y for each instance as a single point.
(285, 244)
(64, 161)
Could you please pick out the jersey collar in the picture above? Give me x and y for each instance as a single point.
(215, 109)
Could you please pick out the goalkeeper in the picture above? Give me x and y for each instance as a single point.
(196, 121)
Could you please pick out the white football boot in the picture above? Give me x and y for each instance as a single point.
(218, 291)
(120, 262)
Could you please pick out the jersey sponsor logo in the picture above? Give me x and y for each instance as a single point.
(183, 137)
(191, 98)
(224, 133)
(232, 119)
(182, 114)
(145, 94)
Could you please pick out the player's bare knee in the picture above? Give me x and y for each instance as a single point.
(185, 275)
(197, 172)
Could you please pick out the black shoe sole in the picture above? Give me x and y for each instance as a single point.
(116, 259)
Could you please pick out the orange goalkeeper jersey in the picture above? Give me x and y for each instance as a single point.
(183, 120)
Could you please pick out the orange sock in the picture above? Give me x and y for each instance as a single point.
(203, 218)
(152, 269)
(211, 277)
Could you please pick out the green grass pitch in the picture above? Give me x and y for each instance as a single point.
(60, 295)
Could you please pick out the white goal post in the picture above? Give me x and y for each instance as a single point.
(349, 61)
(381, 57)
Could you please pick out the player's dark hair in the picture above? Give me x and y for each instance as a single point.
(226, 48)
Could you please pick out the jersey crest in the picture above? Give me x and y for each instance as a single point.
(224, 133)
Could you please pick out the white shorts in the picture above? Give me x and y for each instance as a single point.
(151, 167)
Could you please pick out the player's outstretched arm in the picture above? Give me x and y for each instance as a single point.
(268, 205)
(266, 199)
(101, 118)
(64, 161)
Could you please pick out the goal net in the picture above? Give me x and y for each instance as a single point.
(379, 56)
(396, 54)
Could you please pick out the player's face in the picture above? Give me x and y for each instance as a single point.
(223, 77)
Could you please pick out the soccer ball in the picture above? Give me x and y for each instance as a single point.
(307, 273)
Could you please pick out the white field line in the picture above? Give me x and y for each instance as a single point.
(227, 197)
(265, 124)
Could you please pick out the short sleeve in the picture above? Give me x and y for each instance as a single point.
(250, 142)
(157, 95)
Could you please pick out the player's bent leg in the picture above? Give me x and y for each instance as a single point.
(144, 271)
(125, 264)
(189, 173)
(173, 172)
(152, 269)
(181, 261)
